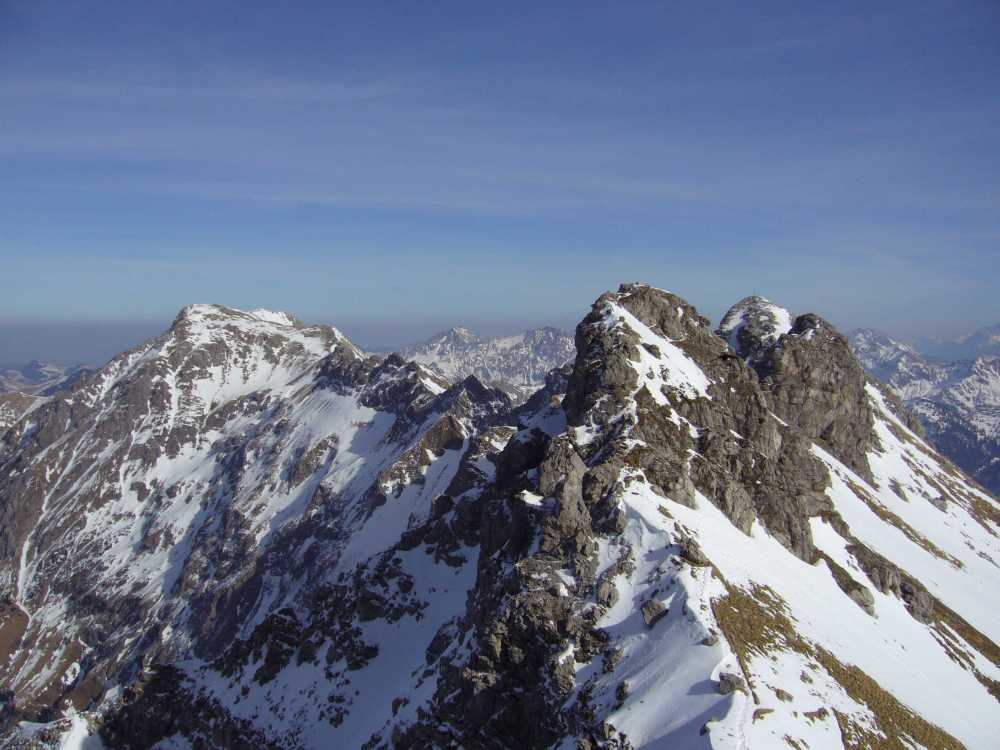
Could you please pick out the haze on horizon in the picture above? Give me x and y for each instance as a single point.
(395, 169)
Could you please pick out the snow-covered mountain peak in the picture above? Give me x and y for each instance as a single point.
(516, 363)
(657, 325)
(753, 324)
(213, 314)
(184, 464)
(282, 318)
(454, 338)
(829, 536)
(878, 348)
(200, 324)
(461, 334)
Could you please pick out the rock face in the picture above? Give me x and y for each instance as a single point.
(809, 373)
(190, 473)
(817, 385)
(517, 364)
(247, 533)
(957, 402)
(653, 611)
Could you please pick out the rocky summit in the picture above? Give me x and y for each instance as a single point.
(247, 533)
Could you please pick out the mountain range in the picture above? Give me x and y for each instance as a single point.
(248, 533)
(37, 377)
(23, 387)
(983, 342)
(957, 402)
(517, 364)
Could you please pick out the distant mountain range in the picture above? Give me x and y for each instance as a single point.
(22, 387)
(957, 401)
(36, 377)
(517, 364)
(950, 385)
(984, 342)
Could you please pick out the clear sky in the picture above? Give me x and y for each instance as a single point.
(395, 168)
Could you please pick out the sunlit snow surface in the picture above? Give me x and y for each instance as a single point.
(670, 368)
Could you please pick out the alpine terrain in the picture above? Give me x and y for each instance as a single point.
(37, 377)
(958, 403)
(517, 364)
(246, 533)
(985, 341)
(21, 387)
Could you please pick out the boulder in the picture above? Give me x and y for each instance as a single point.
(653, 611)
(730, 682)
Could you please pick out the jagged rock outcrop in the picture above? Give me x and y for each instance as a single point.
(637, 413)
(711, 436)
(809, 374)
(817, 385)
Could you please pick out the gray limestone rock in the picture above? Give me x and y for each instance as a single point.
(816, 384)
(691, 551)
(653, 611)
(729, 682)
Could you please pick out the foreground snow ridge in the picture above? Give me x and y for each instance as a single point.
(248, 533)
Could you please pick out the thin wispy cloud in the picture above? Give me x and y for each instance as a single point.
(139, 91)
(457, 147)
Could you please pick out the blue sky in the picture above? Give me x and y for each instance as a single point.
(395, 168)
